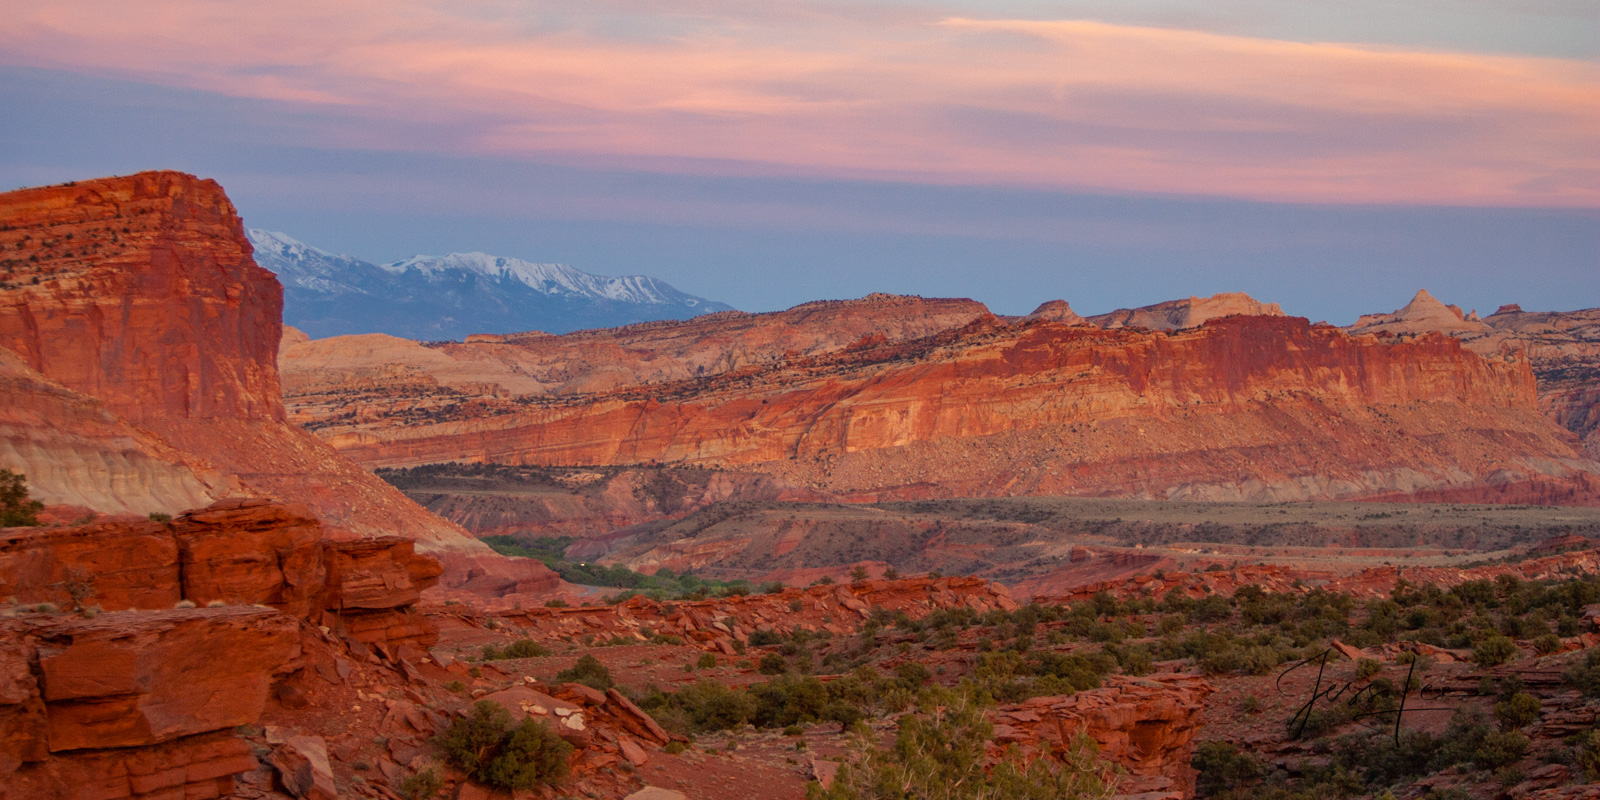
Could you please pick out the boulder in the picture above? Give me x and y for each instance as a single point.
(133, 678)
(302, 765)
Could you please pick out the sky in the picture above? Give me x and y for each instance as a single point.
(1332, 157)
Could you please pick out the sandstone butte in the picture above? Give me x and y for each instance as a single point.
(1563, 348)
(138, 353)
(1259, 407)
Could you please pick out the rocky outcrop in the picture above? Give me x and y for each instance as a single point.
(210, 612)
(131, 703)
(1371, 582)
(1562, 347)
(125, 679)
(1424, 314)
(1145, 725)
(140, 292)
(1178, 314)
(235, 552)
(1239, 408)
(1056, 311)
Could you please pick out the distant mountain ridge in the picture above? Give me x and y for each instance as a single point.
(451, 296)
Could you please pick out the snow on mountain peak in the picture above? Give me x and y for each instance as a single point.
(553, 279)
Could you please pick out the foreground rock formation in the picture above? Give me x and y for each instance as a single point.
(1146, 725)
(145, 372)
(1241, 407)
(184, 631)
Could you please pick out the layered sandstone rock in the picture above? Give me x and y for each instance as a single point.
(75, 452)
(1146, 725)
(140, 292)
(378, 375)
(1563, 348)
(135, 704)
(496, 500)
(1425, 313)
(235, 552)
(1239, 408)
(1370, 582)
(1178, 314)
(1057, 311)
(136, 678)
(211, 612)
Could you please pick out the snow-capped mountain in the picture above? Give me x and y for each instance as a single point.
(451, 296)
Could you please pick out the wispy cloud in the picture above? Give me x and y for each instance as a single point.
(894, 93)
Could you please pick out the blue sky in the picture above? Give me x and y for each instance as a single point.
(1330, 157)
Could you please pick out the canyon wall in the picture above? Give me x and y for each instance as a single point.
(145, 373)
(1262, 407)
(1562, 347)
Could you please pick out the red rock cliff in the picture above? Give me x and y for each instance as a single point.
(141, 291)
(1241, 407)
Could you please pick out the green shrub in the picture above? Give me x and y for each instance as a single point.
(423, 785)
(1368, 667)
(1501, 749)
(521, 648)
(1547, 644)
(773, 664)
(1494, 651)
(1517, 711)
(589, 672)
(16, 508)
(762, 637)
(1586, 753)
(943, 756)
(488, 748)
(1586, 676)
(1222, 766)
(706, 661)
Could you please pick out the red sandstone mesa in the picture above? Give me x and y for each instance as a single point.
(1238, 408)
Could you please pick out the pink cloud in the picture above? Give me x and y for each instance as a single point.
(816, 90)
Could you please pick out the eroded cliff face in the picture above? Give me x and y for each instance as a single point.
(139, 294)
(1562, 347)
(361, 376)
(75, 452)
(141, 291)
(1239, 408)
